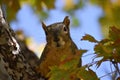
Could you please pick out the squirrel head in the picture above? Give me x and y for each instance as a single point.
(57, 34)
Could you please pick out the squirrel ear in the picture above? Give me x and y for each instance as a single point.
(44, 27)
(66, 21)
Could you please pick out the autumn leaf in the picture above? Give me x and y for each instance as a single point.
(83, 72)
(114, 33)
(50, 4)
(57, 74)
(89, 38)
(75, 21)
(103, 41)
(103, 51)
(11, 8)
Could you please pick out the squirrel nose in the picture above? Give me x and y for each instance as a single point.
(56, 39)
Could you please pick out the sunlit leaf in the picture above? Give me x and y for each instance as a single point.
(89, 38)
(94, 75)
(103, 50)
(69, 5)
(69, 65)
(75, 21)
(43, 15)
(103, 41)
(94, 1)
(50, 4)
(87, 74)
(67, 68)
(80, 4)
(113, 33)
(57, 74)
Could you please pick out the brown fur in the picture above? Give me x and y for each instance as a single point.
(59, 44)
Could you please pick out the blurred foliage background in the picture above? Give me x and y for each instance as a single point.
(110, 16)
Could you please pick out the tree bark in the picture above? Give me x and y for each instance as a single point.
(11, 56)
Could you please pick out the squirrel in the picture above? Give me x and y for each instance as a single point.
(59, 43)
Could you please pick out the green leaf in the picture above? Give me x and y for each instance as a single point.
(89, 38)
(103, 50)
(49, 3)
(75, 21)
(104, 41)
(114, 33)
(69, 64)
(87, 74)
(43, 14)
(68, 67)
(93, 74)
(57, 73)
(94, 1)
(12, 8)
(98, 49)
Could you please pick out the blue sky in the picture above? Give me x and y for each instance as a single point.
(29, 22)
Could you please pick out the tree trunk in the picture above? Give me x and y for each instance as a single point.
(11, 56)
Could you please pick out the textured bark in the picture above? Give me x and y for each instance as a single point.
(29, 55)
(11, 56)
